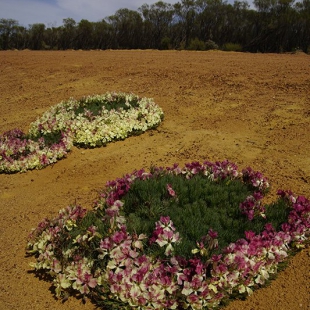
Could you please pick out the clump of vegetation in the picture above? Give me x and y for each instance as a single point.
(92, 121)
(195, 206)
(211, 45)
(97, 120)
(20, 151)
(232, 47)
(172, 238)
(196, 45)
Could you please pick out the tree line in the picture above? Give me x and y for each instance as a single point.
(274, 26)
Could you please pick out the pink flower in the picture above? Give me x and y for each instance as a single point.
(165, 221)
(213, 234)
(171, 191)
(119, 236)
(249, 235)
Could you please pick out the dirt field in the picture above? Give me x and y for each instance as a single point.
(253, 109)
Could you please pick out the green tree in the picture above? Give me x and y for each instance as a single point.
(20, 37)
(84, 37)
(51, 37)
(126, 27)
(213, 20)
(276, 26)
(157, 22)
(186, 17)
(303, 25)
(7, 29)
(36, 34)
(68, 34)
(101, 35)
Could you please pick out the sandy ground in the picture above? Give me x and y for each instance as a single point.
(253, 109)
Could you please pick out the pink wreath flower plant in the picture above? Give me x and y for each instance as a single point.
(112, 265)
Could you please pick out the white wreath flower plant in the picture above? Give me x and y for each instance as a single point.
(92, 121)
(96, 120)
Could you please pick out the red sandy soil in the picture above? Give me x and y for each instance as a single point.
(253, 109)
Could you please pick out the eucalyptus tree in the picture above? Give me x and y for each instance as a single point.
(7, 29)
(67, 34)
(51, 37)
(222, 22)
(36, 36)
(240, 23)
(20, 37)
(126, 27)
(186, 15)
(157, 21)
(102, 34)
(286, 24)
(84, 35)
(212, 20)
(277, 22)
(303, 25)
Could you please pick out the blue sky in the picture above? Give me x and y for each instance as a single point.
(52, 12)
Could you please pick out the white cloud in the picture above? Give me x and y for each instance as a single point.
(92, 10)
(31, 12)
(95, 10)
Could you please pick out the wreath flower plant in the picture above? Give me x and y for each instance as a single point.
(92, 121)
(172, 238)
(21, 152)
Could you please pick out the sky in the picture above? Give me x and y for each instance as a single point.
(52, 12)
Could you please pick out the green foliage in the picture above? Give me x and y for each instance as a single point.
(211, 45)
(49, 138)
(91, 219)
(277, 213)
(95, 105)
(232, 47)
(199, 205)
(166, 43)
(85, 247)
(196, 45)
